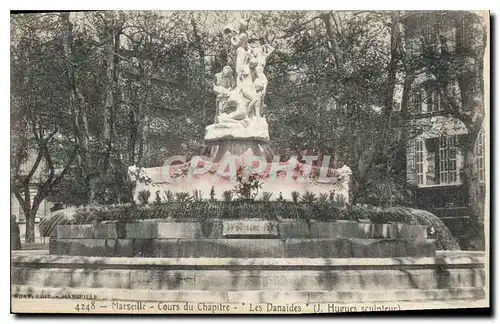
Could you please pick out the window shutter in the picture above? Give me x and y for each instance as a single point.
(410, 162)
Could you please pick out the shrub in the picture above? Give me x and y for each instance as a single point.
(278, 211)
(214, 210)
(244, 210)
(444, 239)
(323, 197)
(247, 188)
(183, 197)
(112, 188)
(227, 195)
(170, 196)
(266, 196)
(197, 195)
(339, 201)
(325, 211)
(308, 198)
(305, 212)
(158, 199)
(198, 211)
(47, 226)
(227, 209)
(144, 196)
(295, 196)
(81, 217)
(212, 194)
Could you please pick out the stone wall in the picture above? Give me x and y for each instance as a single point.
(151, 238)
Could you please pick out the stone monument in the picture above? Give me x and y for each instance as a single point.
(239, 125)
(240, 131)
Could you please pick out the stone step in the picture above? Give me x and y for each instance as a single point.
(454, 271)
(455, 259)
(245, 248)
(256, 296)
(269, 280)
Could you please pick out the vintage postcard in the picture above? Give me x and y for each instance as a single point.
(257, 162)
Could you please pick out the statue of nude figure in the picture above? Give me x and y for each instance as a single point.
(240, 41)
(223, 84)
(260, 54)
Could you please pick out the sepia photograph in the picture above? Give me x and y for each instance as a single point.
(249, 162)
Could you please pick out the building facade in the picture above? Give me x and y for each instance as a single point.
(45, 206)
(436, 149)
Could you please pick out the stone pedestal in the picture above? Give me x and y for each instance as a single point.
(237, 138)
(248, 129)
(216, 149)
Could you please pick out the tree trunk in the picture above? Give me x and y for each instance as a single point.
(85, 151)
(143, 142)
(132, 139)
(405, 98)
(30, 226)
(29, 210)
(201, 53)
(109, 90)
(26, 204)
(393, 64)
(472, 114)
(333, 44)
(472, 187)
(67, 42)
(142, 126)
(108, 106)
(85, 148)
(79, 108)
(132, 127)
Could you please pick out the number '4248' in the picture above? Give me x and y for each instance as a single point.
(85, 307)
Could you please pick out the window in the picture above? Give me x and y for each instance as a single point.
(419, 161)
(465, 32)
(430, 100)
(416, 102)
(437, 101)
(410, 162)
(21, 217)
(479, 152)
(448, 160)
(429, 36)
(434, 102)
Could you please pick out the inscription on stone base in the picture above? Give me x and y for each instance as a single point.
(245, 228)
